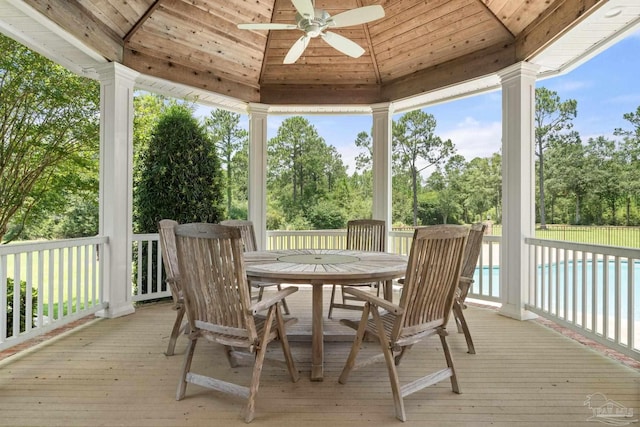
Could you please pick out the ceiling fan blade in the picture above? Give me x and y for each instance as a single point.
(343, 44)
(296, 50)
(304, 8)
(267, 26)
(360, 15)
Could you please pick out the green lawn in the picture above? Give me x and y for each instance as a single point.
(64, 284)
(611, 236)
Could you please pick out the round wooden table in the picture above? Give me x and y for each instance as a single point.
(320, 267)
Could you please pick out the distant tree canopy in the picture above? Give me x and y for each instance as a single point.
(553, 122)
(416, 147)
(304, 172)
(49, 133)
(229, 139)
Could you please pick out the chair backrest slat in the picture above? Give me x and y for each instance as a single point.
(472, 250)
(167, 242)
(246, 231)
(433, 272)
(366, 235)
(213, 276)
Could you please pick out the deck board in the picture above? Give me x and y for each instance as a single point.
(114, 372)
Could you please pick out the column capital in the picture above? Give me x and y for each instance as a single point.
(382, 107)
(518, 70)
(111, 70)
(257, 108)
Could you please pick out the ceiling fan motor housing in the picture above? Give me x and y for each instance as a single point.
(315, 26)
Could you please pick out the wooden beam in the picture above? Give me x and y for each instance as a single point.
(203, 79)
(78, 21)
(142, 20)
(477, 64)
(555, 22)
(319, 94)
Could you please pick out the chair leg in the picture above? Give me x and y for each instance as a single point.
(403, 351)
(447, 354)
(355, 348)
(286, 349)
(333, 295)
(398, 402)
(257, 368)
(459, 315)
(186, 367)
(177, 327)
(284, 302)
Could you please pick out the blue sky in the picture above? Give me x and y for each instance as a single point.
(605, 87)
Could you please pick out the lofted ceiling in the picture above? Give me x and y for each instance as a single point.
(419, 45)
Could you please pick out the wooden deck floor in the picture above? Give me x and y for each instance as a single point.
(114, 373)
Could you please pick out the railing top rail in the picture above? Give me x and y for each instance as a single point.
(336, 232)
(145, 236)
(586, 247)
(21, 247)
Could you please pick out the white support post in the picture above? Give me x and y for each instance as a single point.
(258, 171)
(116, 184)
(518, 187)
(382, 126)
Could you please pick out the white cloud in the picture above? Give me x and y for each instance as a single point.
(568, 85)
(349, 154)
(475, 139)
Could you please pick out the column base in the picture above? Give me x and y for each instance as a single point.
(119, 311)
(516, 312)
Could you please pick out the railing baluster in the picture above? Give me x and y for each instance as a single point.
(28, 306)
(584, 290)
(617, 302)
(40, 268)
(17, 289)
(3, 297)
(631, 305)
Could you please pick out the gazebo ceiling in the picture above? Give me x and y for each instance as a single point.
(419, 46)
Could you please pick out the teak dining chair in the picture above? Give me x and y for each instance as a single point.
(470, 260)
(170, 262)
(431, 280)
(362, 235)
(249, 245)
(219, 309)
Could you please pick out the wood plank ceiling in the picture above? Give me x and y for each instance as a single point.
(419, 45)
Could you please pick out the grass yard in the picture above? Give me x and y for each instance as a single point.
(610, 236)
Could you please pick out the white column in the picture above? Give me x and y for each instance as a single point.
(258, 171)
(382, 126)
(518, 187)
(116, 183)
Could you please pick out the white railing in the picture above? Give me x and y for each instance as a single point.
(306, 239)
(486, 280)
(148, 273)
(62, 282)
(591, 289)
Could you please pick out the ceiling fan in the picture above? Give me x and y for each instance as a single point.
(314, 22)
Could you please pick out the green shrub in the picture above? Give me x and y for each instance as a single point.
(23, 305)
(180, 179)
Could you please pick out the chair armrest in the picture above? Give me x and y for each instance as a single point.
(374, 300)
(466, 280)
(463, 288)
(265, 303)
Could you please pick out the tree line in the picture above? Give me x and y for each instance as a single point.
(49, 122)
